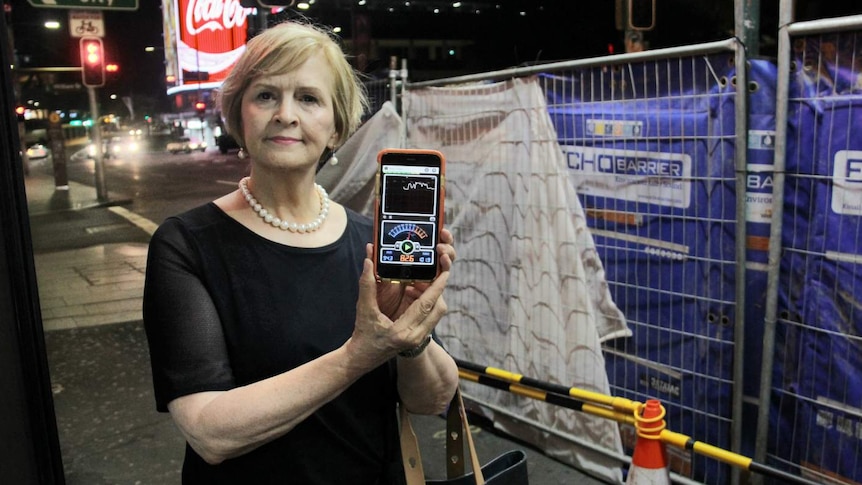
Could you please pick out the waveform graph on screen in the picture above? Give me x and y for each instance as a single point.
(414, 195)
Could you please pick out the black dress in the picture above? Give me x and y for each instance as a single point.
(224, 307)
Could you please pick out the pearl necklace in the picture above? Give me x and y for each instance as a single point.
(271, 219)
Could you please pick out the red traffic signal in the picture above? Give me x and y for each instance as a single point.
(200, 107)
(92, 62)
(19, 112)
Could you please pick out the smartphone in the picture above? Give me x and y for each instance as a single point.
(408, 214)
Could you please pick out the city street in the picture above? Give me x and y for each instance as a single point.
(90, 258)
(160, 184)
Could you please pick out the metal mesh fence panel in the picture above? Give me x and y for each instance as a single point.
(650, 147)
(815, 423)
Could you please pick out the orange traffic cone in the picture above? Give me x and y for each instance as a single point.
(649, 462)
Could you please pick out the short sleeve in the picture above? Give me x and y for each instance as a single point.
(188, 352)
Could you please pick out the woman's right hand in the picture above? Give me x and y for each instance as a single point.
(376, 338)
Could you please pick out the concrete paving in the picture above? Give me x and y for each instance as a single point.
(91, 297)
(87, 286)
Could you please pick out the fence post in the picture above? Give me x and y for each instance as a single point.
(785, 17)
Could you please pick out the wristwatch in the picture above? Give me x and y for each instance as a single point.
(415, 351)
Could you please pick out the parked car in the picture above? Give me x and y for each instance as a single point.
(226, 142)
(185, 145)
(37, 151)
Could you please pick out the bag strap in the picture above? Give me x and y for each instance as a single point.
(465, 425)
(454, 440)
(456, 427)
(413, 471)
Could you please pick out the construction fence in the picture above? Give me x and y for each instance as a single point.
(681, 224)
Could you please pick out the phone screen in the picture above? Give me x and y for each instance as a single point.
(408, 214)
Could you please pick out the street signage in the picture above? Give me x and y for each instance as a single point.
(67, 87)
(86, 23)
(87, 4)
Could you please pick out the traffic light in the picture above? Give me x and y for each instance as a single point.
(19, 112)
(112, 72)
(92, 62)
(201, 108)
(266, 3)
(640, 15)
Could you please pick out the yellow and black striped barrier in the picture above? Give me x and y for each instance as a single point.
(619, 409)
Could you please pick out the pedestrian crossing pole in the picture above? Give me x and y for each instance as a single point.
(93, 76)
(98, 158)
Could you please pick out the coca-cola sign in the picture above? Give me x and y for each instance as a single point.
(212, 36)
(213, 15)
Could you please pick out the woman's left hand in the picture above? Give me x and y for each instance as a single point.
(393, 299)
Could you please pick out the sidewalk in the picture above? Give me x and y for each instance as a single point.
(43, 196)
(96, 285)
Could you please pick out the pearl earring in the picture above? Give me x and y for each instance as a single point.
(333, 160)
(242, 154)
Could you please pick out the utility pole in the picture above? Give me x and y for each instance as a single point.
(98, 156)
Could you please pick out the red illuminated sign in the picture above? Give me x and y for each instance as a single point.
(212, 36)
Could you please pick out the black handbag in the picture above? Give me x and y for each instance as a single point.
(510, 468)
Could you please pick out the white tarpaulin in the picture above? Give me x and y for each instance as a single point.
(351, 181)
(528, 292)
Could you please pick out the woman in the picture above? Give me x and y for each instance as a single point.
(278, 355)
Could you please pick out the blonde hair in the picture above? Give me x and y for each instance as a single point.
(281, 49)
